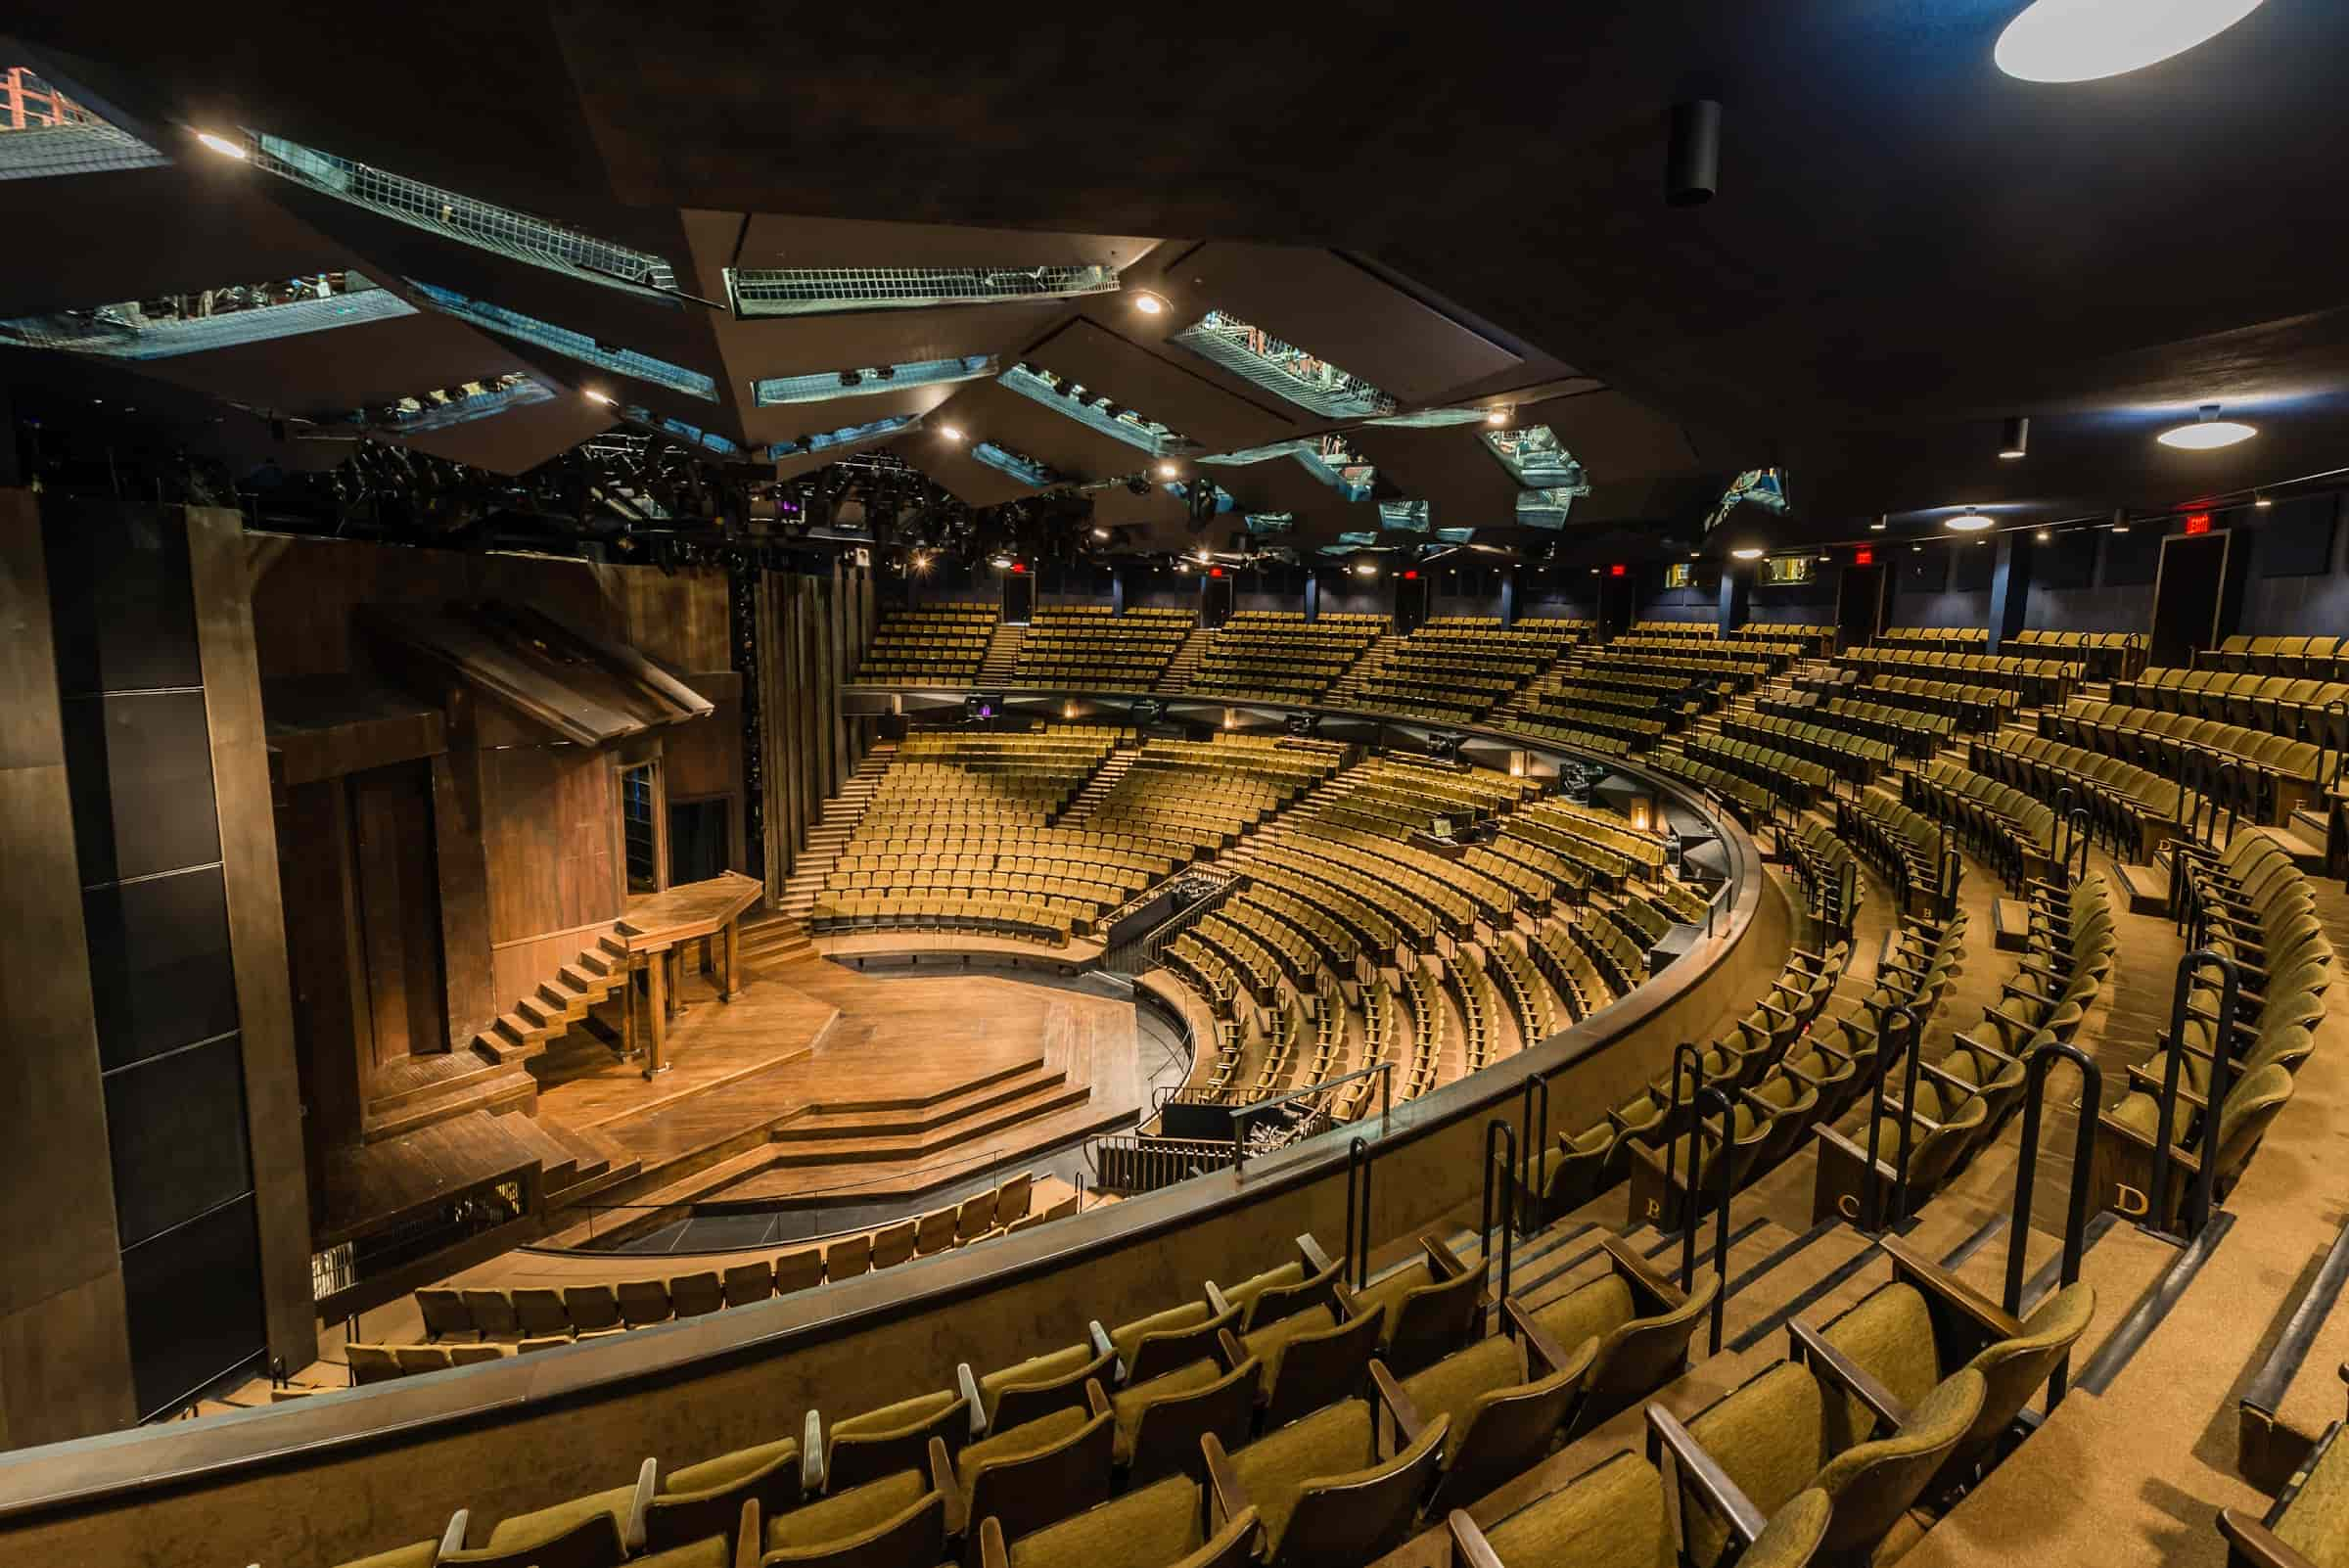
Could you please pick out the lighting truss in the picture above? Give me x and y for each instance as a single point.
(1026, 470)
(1404, 517)
(1434, 419)
(444, 407)
(171, 326)
(1283, 369)
(1094, 411)
(573, 345)
(846, 436)
(1534, 456)
(822, 291)
(691, 434)
(483, 225)
(823, 385)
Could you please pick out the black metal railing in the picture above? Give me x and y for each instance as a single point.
(1535, 1144)
(2026, 1173)
(1248, 1113)
(1359, 1154)
(2197, 1209)
(1725, 1168)
(1497, 1205)
(1905, 1040)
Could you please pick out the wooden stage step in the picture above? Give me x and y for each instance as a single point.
(507, 1086)
(913, 1137)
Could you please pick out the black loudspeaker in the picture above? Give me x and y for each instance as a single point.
(1692, 161)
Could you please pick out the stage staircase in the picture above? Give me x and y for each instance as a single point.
(1002, 653)
(552, 1006)
(827, 839)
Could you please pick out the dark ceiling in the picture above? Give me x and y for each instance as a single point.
(1461, 205)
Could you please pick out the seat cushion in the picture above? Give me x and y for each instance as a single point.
(1271, 1342)
(1017, 1443)
(423, 1554)
(1889, 1335)
(1154, 1525)
(1126, 1338)
(897, 1417)
(1128, 1403)
(1465, 1383)
(1611, 1516)
(712, 1475)
(1276, 1468)
(548, 1523)
(1243, 1295)
(1590, 1312)
(848, 1514)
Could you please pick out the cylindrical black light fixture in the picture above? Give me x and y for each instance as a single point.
(2014, 438)
(1693, 166)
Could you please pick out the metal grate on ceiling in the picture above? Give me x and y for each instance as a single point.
(439, 410)
(563, 341)
(1433, 419)
(1283, 369)
(846, 436)
(125, 331)
(482, 226)
(865, 380)
(1094, 411)
(86, 146)
(1026, 470)
(1405, 517)
(1548, 508)
(708, 440)
(819, 291)
(1534, 456)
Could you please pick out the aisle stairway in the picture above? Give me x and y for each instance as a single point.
(1096, 789)
(827, 839)
(1002, 653)
(1186, 662)
(1347, 693)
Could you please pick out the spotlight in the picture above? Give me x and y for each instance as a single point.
(223, 146)
(885, 372)
(1877, 527)
(2207, 433)
(1692, 161)
(2042, 536)
(1168, 470)
(1498, 415)
(2082, 40)
(1100, 534)
(1750, 552)
(2262, 499)
(1149, 305)
(1138, 485)
(951, 432)
(595, 396)
(1365, 569)
(849, 378)
(2014, 438)
(1968, 523)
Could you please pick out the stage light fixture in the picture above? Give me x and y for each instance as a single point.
(2262, 500)
(2082, 41)
(1168, 470)
(2014, 438)
(594, 396)
(2042, 536)
(1100, 534)
(1692, 158)
(849, 378)
(1498, 415)
(1750, 552)
(223, 146)
(2207, 433)
(1365, 569)
(1148, 303)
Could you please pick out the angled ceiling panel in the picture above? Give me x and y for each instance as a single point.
(345, 367)
(773, 240)
(1616, 438)
(1322, 302)
(520, 438)
(1451, 469)
(987, 411)
(1157, 384)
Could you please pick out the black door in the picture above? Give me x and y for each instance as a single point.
(2186, 596)
(697, 839)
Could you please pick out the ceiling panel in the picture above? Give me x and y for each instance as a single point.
(1451, 469)
(1161, 388)
(344, 367)
(519, 440)
(773, 240)
(1321, 302)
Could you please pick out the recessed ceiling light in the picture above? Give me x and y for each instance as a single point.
(2207, 433)
(1168, 470)
(1968, 523)
(1498, 415)
(1100, 534)
(1751, 552)
(2120, 528)
(1365, 569)
(223, 146)
(1824, 556)
(2262, 499)
(2014, 438)
(2042, 536)
(2082, 40)
(1149, 305)
(950, 432)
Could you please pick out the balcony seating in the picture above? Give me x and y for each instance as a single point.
(936, 645)
(2307, 1526)
(1323, 1496)
(1086, 648)
(1157, 1526)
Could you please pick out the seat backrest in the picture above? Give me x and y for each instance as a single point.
(692, 1295)
(539, 1310)
(755, 1281)
(591, 1307)
(1343, 1520)
(906, 1528)
(1872, 1483)
(1165, 1431)
(894, 1244)
(491, 1311)
(702, 1501)
(897, 1436)
(1433, 1320)
(2251, 1105)
(1013, 1197)
(443, 1311)
(975, 1217)
(1498, 1432)
(848, 1257)
(412, 1358)
(1611, 1514)
(643, 1301)
(1643, 1354)
(475, 1354)
(593, 1543)
(1314, 1369)
(2012, 1369)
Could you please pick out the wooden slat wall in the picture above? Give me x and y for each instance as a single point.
(813, 630)
(549, 816)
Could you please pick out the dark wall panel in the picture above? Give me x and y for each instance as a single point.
(177, 1127)
(194, 1313)
(2130, 559)
(142, 778)
(159, 966)
(118, 595)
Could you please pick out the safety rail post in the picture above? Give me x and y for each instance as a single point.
(2222, 1065)
(2026, 1173)
(2078, 843)
(1497, 1205)
(2338, 729)
(1685, 1054)
(1534, 1147)
(1357, 1221)
(1872, 1208)
(1912, 1028)
(1721, 1218)
(2065, 819)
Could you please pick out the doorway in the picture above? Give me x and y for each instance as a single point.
(1214, 600)
(1859, 605)
(644, 826)
(1019, 599)
(698, 838)
(2189, 592)
(398, 899)
(1410, 603)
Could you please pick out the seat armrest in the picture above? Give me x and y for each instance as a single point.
(1096, 1398)
(1407, 1421)
(1101, 1344)
(811, 1455)
(1651, 1291)
(1973, 1044)
(1469, 1547)
(1804, 1345)
(1698, 1470)
(970, 1394)
(750, 1537)
(1217, 1305)
(452, 1539)
(646, 1475)
(2150, 1082)
(1915, 1268)
(1440, 1259)
(1949, 1080)
(1235, 1352)
(942, 1479)
(991, 1553)
(2249, 1542)
(1315, 1260)
(1228, 1496)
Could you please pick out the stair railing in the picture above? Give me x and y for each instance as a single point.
(2041, 1063)
(2221, 1068)
(1872, 1208)
(1685, 1054)
(1535, 1147)
(1724, 1167)
(1498, 1168)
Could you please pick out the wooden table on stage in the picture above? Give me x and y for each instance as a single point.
(660, 926)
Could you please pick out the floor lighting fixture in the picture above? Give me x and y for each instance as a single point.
(2082, 41)
(2207, 433)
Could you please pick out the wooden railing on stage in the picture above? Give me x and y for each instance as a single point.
(660, 926)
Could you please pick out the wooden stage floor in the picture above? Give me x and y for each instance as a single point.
(819, 1085)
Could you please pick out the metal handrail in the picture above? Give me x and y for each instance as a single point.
(1685, 1054)
(1247, 1113)
(1358, 1210)
(2026, 1170)
(1506, 1163)
(1534, 1148)
(2077, 841)
(1873, 1210)
(1721, 1215)
(2222, 1065)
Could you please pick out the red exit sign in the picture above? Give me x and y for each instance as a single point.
(1618, 570)
(2197, 522)
(1863, 556)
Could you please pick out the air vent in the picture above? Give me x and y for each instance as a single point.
(865, 380)
(573, 344)
(822, 291)
(482, 226)
(173, 325)
(1283, 369)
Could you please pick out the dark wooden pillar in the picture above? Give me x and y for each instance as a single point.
(461, 851)
(1737, 596)
(220, 587)
(64, 1343)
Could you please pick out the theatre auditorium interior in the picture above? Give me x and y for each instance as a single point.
(823, 788)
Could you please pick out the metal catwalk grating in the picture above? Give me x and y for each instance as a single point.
(123, 332)
(519, 392)
(1534, 456)
(846, 436)
(563, 341)
(463, 218)
(1434, 419)
(1282, 369)
(817, 290)
(1094, 411)
(90, 147)
(825, 385)
(1026, 470)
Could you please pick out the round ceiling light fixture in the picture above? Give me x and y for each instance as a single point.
(951, 432)
(223, 146)
(2084, 40)
(1148, 303)
(1750, 552)
(2208, 432)
(1970, 522)
(1168, 470)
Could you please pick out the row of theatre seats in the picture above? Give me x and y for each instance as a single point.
(1457, 669)
(1085, 647)
(2259, 774)
(2106, 655)
(937, 644)
(1278, 656)
(2297, 706)
(523, 1318)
